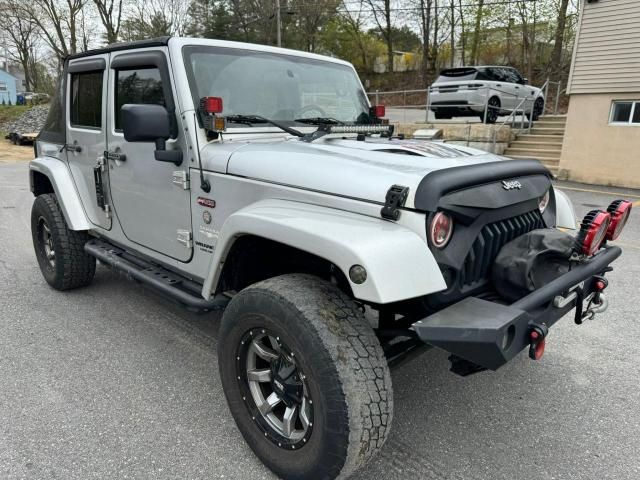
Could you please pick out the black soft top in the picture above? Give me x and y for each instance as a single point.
(114, 47)
(54, 128)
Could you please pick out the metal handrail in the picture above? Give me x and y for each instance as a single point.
(512, 115)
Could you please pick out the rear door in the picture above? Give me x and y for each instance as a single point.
(150, 200)
(86, 98)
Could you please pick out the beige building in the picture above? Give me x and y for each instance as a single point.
(602, 137)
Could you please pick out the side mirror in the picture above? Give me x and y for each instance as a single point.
(525, 81)
(150, 123)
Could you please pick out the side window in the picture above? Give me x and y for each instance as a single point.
(142, 85)
(495, 74)
(516, 76)
(511, 75)
(86, 99)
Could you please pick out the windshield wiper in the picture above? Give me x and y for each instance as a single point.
(251, 119)
(319, 121)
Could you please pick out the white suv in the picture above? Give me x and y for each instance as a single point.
(466, 91)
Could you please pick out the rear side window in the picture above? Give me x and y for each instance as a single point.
(86, 99)
(142, 86)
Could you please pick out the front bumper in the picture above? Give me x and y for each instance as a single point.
(489, 334)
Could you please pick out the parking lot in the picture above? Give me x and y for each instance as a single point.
(112, 381)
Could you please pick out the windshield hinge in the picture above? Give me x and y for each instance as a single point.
(396, 196)
(180, 177)
(184, 237)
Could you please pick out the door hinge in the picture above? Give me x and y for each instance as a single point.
(396, 196)
(184, 237)
(180, 177)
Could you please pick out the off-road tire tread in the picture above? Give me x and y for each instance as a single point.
(77, 268)
(362, 371)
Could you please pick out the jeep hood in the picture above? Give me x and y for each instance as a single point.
(363, 170)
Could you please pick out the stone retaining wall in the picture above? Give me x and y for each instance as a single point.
(475, 135)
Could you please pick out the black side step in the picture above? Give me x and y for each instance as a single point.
(176, 287)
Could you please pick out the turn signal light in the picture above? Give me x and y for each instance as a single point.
(619, 211)
(211, 105)
(441, 229)
(593, 231)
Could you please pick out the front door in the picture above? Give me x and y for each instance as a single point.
(86, 126)
(153, 210)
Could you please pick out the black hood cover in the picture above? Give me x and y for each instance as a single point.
(523, 180)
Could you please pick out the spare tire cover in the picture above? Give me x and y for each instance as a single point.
(530, 261)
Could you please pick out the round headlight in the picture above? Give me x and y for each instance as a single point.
(544, 201)
(441, 230)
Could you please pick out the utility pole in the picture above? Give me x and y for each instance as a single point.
(278, 23)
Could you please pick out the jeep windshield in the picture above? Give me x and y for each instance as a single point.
(289, 89)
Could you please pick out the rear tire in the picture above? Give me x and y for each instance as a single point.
(333, 361)
(493, 111)
(60, 251)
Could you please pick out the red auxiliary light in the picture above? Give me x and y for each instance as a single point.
(619, 211)
(378, 111)
(211, 105)
(593, 231)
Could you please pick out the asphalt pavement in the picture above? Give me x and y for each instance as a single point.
(113, 382)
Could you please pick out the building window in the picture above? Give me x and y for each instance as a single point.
(3, 86)
(625, 113)
(86, 99)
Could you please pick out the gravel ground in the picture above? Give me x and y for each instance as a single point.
(113, 382)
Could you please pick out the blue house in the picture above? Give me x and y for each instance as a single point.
(7, 88)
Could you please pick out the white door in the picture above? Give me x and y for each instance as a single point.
(86, 134)
(153, 210)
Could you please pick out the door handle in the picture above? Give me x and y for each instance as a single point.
(120, 157)
(75, 148)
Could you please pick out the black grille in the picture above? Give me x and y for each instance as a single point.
(492, 237)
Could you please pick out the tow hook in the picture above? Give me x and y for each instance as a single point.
(598, 302)
(537, 335)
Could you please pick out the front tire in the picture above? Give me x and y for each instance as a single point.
(60, 251)
(305, 377)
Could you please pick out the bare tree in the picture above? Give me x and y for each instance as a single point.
(58, 22)
(556, 55)
(425, 29)
(110, 12)
(22, 35)
(381, 10)
(463, 34)
(476, 33)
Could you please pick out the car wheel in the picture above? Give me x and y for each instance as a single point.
(60, 251)
(305, 377)
(492, 112)
(538, 110)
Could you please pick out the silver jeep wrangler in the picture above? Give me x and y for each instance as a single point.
(261, 181)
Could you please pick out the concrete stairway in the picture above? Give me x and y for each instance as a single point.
(544, 143)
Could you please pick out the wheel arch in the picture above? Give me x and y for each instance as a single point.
(398, 262)
(51, 175)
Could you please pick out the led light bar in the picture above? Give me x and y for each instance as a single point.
(360, 129)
